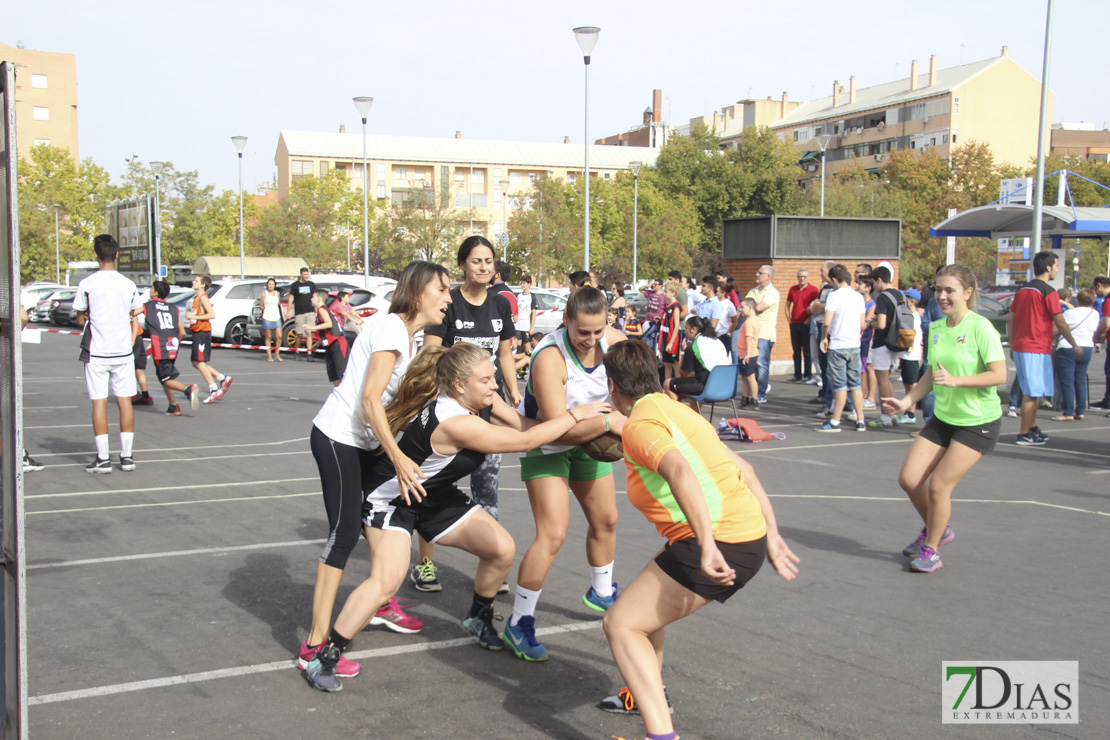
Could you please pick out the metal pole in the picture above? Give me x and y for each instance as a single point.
(348, 243)
(635, 229)
(57, 250)
(365, 211)
(586, 148)
(1038, 200)
(822, 184)
(158, 227)
(470, 192)
(242, 251)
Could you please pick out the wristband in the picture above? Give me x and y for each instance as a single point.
(606, 417)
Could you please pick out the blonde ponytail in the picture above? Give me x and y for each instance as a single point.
(435, 369)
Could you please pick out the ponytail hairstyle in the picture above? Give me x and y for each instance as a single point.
(434, 370)
(588, 301)
(703, 326)
(966, 278)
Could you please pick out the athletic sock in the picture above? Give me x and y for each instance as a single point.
(126, 441)
(146, 394)
(884, 417)
(524, 604)
(212, 388)
(101, 446)
(662, 736)
(479, 603)
(601, 578)
(339, 641)
(834, 423)
(220, 377)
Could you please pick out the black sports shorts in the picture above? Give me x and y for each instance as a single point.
(682, 562)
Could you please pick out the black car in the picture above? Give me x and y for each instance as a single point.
(61, 311)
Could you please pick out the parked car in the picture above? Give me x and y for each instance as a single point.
(996, 312)
(365, 303)
(232, 301)
(61, 308)
(549, 308)
(40, 311)
(33, 294)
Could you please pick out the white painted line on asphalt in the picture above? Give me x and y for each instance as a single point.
(100, 492)
(175, 503)
(1097, 472)
(746, 447)
(283, 453)
(176, 449)
(68, 426)
(955, 500)
(46, 408)
(172, 554)
(280, 665)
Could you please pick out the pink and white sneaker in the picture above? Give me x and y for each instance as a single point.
(393, 617)
(344, 668)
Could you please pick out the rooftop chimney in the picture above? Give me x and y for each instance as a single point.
(1005, 51)
(852, 89)
(836, 93)
(458, 134)
(913, 75)
(342, 129)
(716, 121)
(785, 101)
(933, 70)
(656, 106)
(566, 139)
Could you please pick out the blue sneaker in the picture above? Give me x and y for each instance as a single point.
(521, 639)
(320, 672)
(600, 603)
(482, 626)
(761, 399)
(927, 560)
(828, 426)
(904, 420)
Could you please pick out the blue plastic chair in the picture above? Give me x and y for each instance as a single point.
(720, 387)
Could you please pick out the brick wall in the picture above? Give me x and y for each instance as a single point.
(786, 274)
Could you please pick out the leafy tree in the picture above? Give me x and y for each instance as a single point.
(422, 226)
(310, 223)
(82, 192)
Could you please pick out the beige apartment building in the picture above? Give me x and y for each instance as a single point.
(46, 98)
(479, 179)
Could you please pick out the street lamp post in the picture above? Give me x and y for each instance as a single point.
(586, 37)
(635, 167)
(156, 168)
(504, 184)
(240, 143)
(362, 105)
(57, 249)
(823, 142)
(348, 243)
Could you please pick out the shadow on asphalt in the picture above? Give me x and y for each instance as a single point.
(835, 543)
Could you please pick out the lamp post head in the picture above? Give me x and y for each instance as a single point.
(586, 36)
(823, 142)
(362, 105)
(635, 167)
(240, 143)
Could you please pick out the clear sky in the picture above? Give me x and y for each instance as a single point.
(175, 81)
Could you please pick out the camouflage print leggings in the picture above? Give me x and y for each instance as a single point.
(483, 484)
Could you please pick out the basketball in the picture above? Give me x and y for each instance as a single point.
(606, 448)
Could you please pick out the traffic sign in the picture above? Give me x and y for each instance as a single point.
(503, 240)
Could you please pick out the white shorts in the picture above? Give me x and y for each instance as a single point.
(122, 379)
(883, 360)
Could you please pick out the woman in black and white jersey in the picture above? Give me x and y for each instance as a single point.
(452, 417)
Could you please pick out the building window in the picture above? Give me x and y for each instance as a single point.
(400, 173)
(496, 227)
(381, 175)
(955, 105)
(514, 178)
(479, 177)
(572, 177)
(608, 175)
(532, 177)
(38, 81)
(356, 172)
(460, 178)
(381, 191)
(300, 168)
(323, 168)
(418, 173)
(41, 113)
(43, 142)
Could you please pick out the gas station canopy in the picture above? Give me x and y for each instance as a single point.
(1010, 221)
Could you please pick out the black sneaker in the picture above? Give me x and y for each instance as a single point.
(126, 464)
(99, 466)
(623, 703)
(30, 464)
(1104, 404)
(173, 410)
(1036, 432)
(320, 672)
(423, 576)
(1029, 440)
(482, 626)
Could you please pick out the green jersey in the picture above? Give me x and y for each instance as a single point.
(965, 349)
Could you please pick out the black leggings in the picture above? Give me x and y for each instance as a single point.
(687, 386)
(341, 468)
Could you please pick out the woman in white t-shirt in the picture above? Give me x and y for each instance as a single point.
(352, 427)
(1072, 370)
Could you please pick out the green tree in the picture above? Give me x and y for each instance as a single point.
(310, 223)
(422, 226)
(81, 191)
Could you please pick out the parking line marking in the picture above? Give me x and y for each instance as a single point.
(191, 486)
(175, 503)
(280, 665)
(172, 554)
(181, 449)
(955, 500)
(198, 459)
(45, 408)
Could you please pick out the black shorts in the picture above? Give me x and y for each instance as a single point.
(523, 336)
(687, 386)
(982, 437)
(430, 521)
(682, 562)
(202, 346)
(911, 371)
(335, 359)
(139, 353)
(749, 367)
(167, 370)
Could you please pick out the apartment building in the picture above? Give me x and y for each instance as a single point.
(1081, 140)
(45, 98)
(478, 178)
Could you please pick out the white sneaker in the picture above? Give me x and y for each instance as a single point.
(1012, 412)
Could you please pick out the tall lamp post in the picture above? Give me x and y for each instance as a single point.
(362, 105)
(156, 168)
(587, 37)
(240, 143)
(504, 184)
(823, 143)
(635, 167)
(57, 249)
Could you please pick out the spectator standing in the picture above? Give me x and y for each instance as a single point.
(882, 357)
(747, 354)
(867, 372)
(300, 308)
(1070, 367)
(680, 292)
(107, 303)
(502, 274)
(656, 304)
(270, 303)
(844, 322)
(729, 320)
(632, 326)
(798, 299)
(766, 297)
(618, 302)
(1102, 290)
(693, 294)
(525, 324)
(910, 365)
(1034, 311)
(817, 311)
(670, 331)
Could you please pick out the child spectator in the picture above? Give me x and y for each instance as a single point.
(747, 354)
(632, 325)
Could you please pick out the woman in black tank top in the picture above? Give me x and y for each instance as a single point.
(449, 405)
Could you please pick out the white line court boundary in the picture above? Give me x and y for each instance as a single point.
(279, 665)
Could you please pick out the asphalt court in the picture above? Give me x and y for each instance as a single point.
(170, 601)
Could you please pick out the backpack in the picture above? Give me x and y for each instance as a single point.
(900, 332)
(746, 430)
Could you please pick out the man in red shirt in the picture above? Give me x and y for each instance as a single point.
(1034, 311)
(501, 275)
(1102, 289)
(798, 299)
